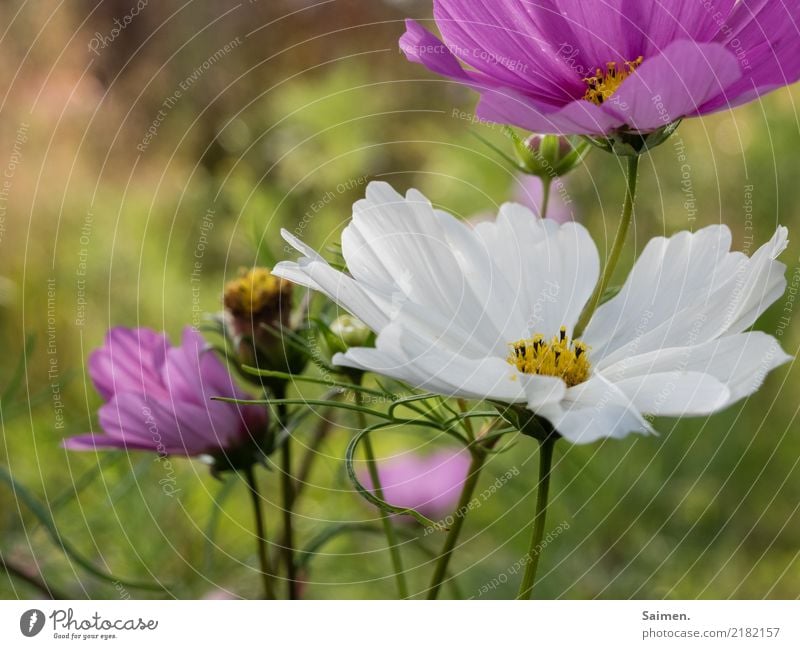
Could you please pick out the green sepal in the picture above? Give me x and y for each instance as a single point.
(609, 293)
(42, 514)
(632, 143)
(552, 156)
(527, 422)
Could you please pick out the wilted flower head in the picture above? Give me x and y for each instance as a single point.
(257, 298)
(598, 66)
(258, 314)
(488, 312)
(429, 484)
(158, 398)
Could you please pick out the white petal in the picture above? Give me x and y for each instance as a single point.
(684, 291)
(404, 249)
(402, 355)
(293, 272)
(763, 284)
(741, 362)
(298, 245)
(676, 394)
(594, 410)
(339, 287)
(552, 269)
(542, 390)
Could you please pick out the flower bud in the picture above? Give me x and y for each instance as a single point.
(258, 306)
(550, 156)
(348, 331)
(345, 332)
(257, 296)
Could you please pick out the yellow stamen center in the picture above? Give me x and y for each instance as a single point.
(560, 357)
(605, 83)
(254, 291)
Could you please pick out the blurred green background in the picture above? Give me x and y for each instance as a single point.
(101, 221)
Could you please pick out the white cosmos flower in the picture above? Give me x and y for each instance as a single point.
(487, 312)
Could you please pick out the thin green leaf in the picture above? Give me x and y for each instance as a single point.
(286, 334)
(304, 402)
(264, 254)
(295, 421)
(19, 370)
(43, 515)
(410, 399)
(87, 478)
(499, 152)
(405, 388)
(444, 404)
(310, 379)
(304, 556)
(213, 324)
(479, 414)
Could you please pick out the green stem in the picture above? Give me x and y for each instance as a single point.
(462, 405)
(479, 454)
(287, 489)
(532, 558)
(547, 184)
(386, 521)
(616, 249)
(261, 534)
(287, 493)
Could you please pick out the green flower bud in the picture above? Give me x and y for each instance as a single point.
(550, 156)
(348, 331)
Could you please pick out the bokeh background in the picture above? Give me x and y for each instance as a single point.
(194, 133)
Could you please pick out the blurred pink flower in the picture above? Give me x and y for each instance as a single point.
(158, 397)
(527, 190)
(430, 484)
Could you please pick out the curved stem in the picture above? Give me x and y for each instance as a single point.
(386, 521)
(616, 249)
(479, 454)
(261, 533)
(532, 558)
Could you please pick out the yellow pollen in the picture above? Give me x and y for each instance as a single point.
(604, 84)
(254, 291)
(560, 357)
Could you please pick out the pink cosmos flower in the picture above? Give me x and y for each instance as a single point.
(592, 67)
(158, 397)
(430, 484)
